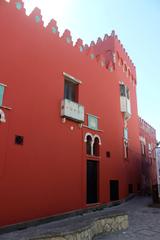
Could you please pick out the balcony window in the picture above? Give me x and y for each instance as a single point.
(71, 90)
(70, 107)
(127, 92)
(122, 90)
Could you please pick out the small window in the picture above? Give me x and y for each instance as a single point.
(89, 145)
(71, 90)
(108, 154)
(1, 94)
(92, 122)
(122, 90)
(19, 140)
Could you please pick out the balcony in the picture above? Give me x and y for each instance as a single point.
(125, 107)
(72, 110)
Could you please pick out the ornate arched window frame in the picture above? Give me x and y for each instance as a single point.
(93, 137)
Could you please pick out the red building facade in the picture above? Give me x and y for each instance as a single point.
(148, 157)
(69, 123)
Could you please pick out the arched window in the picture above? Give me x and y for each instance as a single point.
(96, 147)
(89, 145)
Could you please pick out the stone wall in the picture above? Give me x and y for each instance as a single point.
(109, 223)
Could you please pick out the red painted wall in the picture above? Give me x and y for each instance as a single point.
(47, 175)
(149, 173)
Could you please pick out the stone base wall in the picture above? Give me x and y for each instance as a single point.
(99, 226)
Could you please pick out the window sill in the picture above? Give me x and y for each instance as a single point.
(5, 107)
(97, 130)
(93, 157)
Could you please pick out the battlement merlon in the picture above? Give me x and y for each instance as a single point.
(143, 124)
(111, 45)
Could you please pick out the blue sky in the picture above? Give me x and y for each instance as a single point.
(137, 24)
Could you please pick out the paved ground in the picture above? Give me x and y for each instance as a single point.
(144, 222)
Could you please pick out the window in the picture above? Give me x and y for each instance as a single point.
(96, 147)
(127, 92)
(126, 150)
(126, 134)
(71, 90)
(1, 94)
(143, 149)
(92, 122)
(92, 144)
(19, 140)
(89, 145)
(108, 154)
(122, 90)
(149, 148)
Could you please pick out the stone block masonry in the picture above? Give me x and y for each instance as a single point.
(111, 223)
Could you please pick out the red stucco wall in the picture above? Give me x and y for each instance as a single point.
(47, 175)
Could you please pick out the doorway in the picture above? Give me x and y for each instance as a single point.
(92, 181)
(114, 190)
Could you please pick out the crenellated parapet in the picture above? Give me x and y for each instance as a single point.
(146, 127)
(108, 52)
(115, 54)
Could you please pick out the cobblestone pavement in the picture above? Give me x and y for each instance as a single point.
(144, 222)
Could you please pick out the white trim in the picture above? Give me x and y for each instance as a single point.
(92, 115)
(2, 84)
(72, 78)
(3, 118)
(121, 82)
(5, 107)
(86, 135)
(97, 136)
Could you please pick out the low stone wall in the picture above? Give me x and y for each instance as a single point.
(110, 223)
